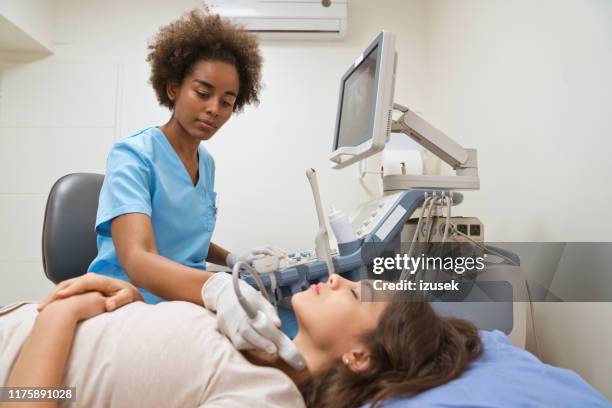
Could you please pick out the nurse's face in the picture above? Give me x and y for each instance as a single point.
(205, 99)
(332, 316)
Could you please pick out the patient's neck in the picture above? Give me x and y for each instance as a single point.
(263, 359)
(314, 360)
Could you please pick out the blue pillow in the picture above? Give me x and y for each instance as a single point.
(507, 376)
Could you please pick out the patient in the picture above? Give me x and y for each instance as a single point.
(172, 355)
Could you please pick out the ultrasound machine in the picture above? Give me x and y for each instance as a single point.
(413, 210)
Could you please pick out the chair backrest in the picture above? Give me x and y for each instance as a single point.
(69, 238)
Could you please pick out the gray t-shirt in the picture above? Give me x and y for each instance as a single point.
(165, 355)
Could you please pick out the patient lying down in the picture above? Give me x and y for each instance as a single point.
(172, 355)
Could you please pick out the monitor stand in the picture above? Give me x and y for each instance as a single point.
(463, 161)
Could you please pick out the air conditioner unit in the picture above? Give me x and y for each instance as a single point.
(287, 19)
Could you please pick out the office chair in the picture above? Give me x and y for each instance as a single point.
(68, 237)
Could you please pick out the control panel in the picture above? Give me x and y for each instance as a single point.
(369, 215)
(301, 257)
(376, 222)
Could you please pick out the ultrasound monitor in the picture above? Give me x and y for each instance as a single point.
(365, 104)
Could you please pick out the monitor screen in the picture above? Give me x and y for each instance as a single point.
(365, 103)
(356, 115)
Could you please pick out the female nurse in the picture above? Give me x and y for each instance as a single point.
(156, 212)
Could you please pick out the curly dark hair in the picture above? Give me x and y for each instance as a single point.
(199, 35)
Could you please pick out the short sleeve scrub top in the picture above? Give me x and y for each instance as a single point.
(145, 175)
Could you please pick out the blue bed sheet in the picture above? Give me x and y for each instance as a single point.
(507, 376)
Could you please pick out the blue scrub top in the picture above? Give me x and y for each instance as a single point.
(145, 175)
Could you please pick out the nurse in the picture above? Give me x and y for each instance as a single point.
(157, 213)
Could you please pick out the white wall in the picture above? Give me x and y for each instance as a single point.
(528, 84)
(62, 114)
(32, 19)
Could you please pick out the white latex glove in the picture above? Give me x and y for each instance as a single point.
(232, 259)
(219, 296)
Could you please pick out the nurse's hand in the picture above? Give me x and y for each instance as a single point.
(218, 296)
(116, 291)
(267, 250)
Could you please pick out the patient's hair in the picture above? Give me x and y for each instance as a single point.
(199, 35)
(413, 349)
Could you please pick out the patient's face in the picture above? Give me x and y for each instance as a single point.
(332, 315)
